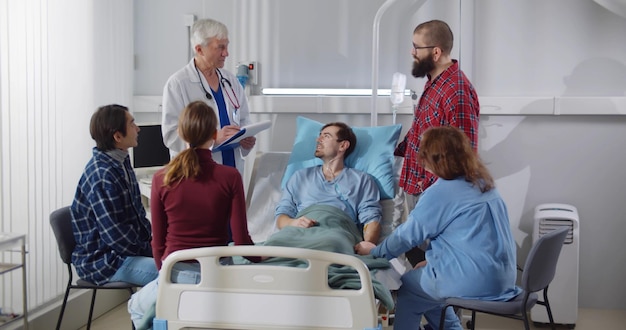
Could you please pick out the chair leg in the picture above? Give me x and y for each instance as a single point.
(442, 318)
(547, 304)
(67, 293)
(93, 301)
(525, 317)
(473, 320)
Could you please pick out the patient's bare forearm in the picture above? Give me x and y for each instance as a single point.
(371, 232)
(283, 221)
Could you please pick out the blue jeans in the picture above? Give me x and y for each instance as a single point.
(417, 298)
(142, 303)
(136, 270)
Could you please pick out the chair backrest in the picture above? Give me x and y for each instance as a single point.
(61, 222)
(542, 259)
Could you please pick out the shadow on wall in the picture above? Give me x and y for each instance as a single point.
(543, 159)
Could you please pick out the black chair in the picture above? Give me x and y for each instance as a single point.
(537, 274)
(61, 222)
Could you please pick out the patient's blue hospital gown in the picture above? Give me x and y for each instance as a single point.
(352, 191)
(471, 254)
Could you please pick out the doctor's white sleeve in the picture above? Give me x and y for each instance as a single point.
(172, 107)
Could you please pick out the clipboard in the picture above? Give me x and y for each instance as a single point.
(244, 132)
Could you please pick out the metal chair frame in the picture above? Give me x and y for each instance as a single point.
(538, 273)
(61, 222)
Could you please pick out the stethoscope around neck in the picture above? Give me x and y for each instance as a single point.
(223, 81)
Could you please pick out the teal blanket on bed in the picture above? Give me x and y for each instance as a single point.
(335, 232)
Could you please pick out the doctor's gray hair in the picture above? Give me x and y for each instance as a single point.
(205, 29)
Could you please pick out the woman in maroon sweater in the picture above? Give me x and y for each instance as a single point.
(193, 202)
(193, 197)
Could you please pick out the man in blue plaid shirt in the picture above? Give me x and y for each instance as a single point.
(108, 219)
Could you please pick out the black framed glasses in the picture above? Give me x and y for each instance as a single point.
(415, 48)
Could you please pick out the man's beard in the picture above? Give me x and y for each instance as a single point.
(423, 67)
(318, 152)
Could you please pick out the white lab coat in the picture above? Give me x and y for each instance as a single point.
(182, 88)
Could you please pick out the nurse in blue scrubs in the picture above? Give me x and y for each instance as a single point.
(471, 252)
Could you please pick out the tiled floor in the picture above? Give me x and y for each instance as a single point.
(588, 319)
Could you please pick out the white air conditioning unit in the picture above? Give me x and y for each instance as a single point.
(563, 291)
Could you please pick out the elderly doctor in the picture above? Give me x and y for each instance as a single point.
(204, 79)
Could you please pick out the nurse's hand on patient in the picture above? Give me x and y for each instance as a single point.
(225, 133)
(248, 143)
(363, 248)
(303, 222)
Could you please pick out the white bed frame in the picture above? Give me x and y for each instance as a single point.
(264, 296)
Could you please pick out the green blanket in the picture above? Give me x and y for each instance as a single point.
(335, 232)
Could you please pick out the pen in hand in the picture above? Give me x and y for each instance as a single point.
(225, 133)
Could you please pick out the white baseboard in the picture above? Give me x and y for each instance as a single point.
(76, 311)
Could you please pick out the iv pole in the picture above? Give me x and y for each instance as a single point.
(375, 44)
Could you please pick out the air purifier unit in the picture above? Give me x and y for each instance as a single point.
(563, 290)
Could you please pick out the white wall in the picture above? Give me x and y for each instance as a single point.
(576, 52)
(59, 61)
(524, 58)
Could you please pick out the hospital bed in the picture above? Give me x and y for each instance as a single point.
(264, 296)
(268, 296)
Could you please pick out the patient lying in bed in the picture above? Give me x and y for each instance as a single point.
(332, 183)
(334, 231)
(331, 207)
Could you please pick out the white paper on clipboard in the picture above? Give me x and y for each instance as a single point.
(244, 132)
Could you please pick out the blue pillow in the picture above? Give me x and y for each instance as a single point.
(373, 153)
